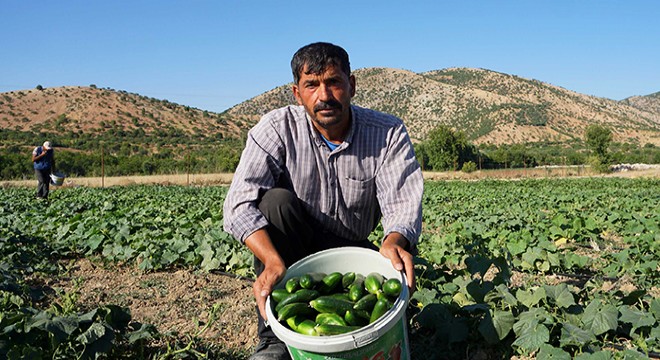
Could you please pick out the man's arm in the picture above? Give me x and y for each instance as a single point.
(400, 186)
(395, 247)
(274, 268)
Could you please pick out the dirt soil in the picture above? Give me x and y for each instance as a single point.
(178, 302)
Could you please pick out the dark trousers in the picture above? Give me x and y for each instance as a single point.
(294, 235)
(43, 180)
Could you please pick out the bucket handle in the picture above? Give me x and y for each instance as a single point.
(366, 339)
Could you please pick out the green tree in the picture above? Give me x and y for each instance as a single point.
(447, 149)
(598, 139)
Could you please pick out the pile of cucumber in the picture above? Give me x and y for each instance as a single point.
(320, 304)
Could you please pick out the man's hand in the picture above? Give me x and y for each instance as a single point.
(264, 284)
(394, 248)
(274, 268)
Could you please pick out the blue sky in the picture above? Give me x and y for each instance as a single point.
(215, 54)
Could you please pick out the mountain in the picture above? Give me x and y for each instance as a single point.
(489, 107)
(649, 103)
(77, 109)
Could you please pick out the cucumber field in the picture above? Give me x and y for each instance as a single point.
(532, 268)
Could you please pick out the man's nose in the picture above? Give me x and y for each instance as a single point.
(324, 92)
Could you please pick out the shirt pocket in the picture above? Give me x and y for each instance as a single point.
(359, 196)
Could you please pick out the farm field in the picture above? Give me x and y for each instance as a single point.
(535, 268)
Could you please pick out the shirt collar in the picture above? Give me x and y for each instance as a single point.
(319, 139)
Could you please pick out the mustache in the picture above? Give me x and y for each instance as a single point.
(327, 105)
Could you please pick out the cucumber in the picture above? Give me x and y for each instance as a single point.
(330, 282)
(392, 287)
(330, 319)
(311, 279)
(302, 295)
(329, 304)
(326, 330)
(347, 279)
(380, 308)
(307, 327)
(294, 309)
(355, 292)
(373, 282)
(302, 325)
(356, 317)
(367, 302)
(294, 321)
(292, 284)
(279, 294)
(342, 296)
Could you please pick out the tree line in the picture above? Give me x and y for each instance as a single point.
(447, 150)
(171, 153)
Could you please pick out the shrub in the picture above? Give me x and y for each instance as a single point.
(469, 167)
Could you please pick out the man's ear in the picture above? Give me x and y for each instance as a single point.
(296, 94)
(351, 81)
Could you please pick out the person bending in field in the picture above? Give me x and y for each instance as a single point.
(322, 175)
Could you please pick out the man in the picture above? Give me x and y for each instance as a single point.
(321, 175)
(43, 159)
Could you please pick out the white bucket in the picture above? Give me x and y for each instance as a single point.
(386, 338)
(57, 179)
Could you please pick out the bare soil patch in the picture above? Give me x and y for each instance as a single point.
(177, 302)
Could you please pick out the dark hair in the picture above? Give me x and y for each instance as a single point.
(318, 56)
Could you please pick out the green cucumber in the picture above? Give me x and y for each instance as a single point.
(311, 279)
(356, 291)
(330, 282)
(302, 295)
(327, 330)
(373, 282)
(330, 304)
(330, 319)
(356, 317)
(380, 308)
(367, 302)
(292, 284)
(294, 309)
(302, 325)
(342, 296)
(279, 294)
(347, 279)
(392, 287)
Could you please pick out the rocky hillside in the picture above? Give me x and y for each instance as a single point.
(490, 107)
(95, 110)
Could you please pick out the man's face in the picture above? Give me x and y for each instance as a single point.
(326, 96)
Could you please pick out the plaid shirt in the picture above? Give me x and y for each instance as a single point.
(373, 173)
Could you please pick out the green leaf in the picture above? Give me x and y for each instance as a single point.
(96, 340)
(531, 335)
(635, 317)
(560, 294)
(574, 335)
(531, 297)
(496, 326)
(600, 355)
(425, 296)
(142, 332)
(549, 352)
(478, 289)
(600, 318)
(654, 306)
(478, 265)
(446, 326)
